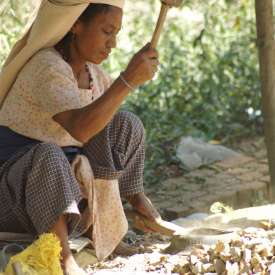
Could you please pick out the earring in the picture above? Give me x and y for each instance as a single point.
(73, 36)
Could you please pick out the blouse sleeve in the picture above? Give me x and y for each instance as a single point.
(56, 89)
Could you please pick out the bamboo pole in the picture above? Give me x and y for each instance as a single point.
(265, 43)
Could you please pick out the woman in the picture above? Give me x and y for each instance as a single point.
(58, 103)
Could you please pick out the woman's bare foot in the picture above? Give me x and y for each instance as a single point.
(70, 267)
(68, 262)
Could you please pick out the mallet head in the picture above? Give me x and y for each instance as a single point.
(172, 3)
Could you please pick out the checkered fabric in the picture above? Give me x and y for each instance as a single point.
(37, 185)
(118, 153)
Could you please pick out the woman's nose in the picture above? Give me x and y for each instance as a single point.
(112, 43)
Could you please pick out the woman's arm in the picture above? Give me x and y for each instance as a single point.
(84, 123)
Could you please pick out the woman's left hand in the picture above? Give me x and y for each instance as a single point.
(144, 206)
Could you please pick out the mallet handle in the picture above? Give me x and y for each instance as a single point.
(159, 26)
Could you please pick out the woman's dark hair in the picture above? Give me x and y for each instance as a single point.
(90, 12)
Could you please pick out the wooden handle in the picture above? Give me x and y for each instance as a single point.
(159, 26)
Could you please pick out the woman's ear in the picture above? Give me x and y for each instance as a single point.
(77, 27)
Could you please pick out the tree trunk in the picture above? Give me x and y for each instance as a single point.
(265, 42)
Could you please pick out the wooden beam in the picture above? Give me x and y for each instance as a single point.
(265, 43)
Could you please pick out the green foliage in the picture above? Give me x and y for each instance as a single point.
(207, 85)
(14, 16)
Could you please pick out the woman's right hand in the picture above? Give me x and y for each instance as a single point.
(142, 66)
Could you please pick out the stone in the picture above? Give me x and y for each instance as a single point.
(266, 179)
(272, 269)
(219, 266)
(181, 268)
(208, 267)
(256, 260)
(194, 259)
(235, 162)
(247, 255)
(110, 272)
(236, 253)
(237, 171)
(219, 247)
(176, 212)
(262, 168)
(250, 176)
(261, 154)
(194, 153)
(197, 268)
(232, 268)
(263, 250)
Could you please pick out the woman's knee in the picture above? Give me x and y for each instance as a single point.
(49, 153)
(131, 120)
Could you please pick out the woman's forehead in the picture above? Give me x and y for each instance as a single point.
(112, 18)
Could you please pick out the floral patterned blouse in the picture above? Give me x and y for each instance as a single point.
(45, 87)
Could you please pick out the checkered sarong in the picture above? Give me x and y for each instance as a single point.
(37, 185)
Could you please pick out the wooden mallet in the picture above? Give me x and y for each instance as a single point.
(165, 6)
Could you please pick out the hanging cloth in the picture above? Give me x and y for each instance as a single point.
(54, 20)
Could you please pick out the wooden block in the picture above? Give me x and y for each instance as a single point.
(85, 257)
(17, 269)
(77, 244)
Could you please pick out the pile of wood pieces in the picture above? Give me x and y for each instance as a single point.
(253, 252)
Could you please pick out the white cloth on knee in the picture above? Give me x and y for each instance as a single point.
(107, 216)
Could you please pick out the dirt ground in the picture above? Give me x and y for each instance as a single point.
(240, 182)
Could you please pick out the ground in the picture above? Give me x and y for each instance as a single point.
(239, 182)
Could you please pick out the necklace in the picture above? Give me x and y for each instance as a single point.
(90, 78)
(91, 81)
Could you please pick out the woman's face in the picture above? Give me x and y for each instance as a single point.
(95, 39)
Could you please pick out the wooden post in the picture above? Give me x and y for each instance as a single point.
(265, 43)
